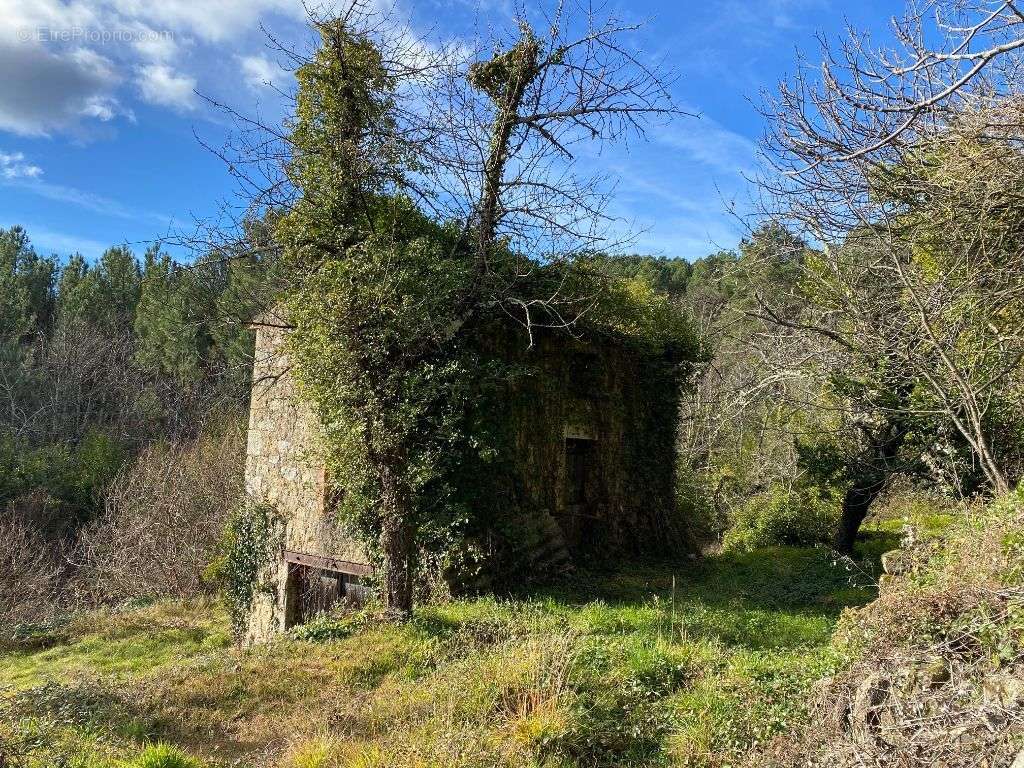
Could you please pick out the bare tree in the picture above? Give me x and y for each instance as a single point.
(899, 163)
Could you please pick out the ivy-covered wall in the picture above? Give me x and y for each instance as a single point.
(607, 412)
(570, 459)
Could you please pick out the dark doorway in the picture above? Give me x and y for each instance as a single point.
(313, 591)
(581, 493)
(580, 473)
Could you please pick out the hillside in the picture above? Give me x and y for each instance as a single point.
(935, 671)
(686, 665)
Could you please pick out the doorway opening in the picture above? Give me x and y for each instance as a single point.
(317, 585)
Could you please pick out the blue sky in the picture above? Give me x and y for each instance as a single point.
(99, 116)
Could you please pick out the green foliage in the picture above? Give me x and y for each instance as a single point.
(26, 286)
(251, 541)
(371, 312)
(72, 476)
(700, 517)
(168, 341)
(104, 294)
(506, 71)
(163, 755)
(329, 627)
(391, 309)
(633, 309)
(341, 159)
(100, 357)
(782, 515)
(670, 276)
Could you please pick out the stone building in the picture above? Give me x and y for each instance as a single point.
(587, 472)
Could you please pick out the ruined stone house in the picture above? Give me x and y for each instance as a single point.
(588, 473)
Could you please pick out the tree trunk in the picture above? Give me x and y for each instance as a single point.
(856, 503)
(875, 470)
(396, 547)
(524, 70)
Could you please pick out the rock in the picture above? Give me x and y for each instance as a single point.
(1018, 762)
(1003, 690)
(864, 716)
(935, 673)
(895, 562)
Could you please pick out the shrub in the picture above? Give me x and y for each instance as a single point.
(163, 517)
(246, 549)
(70, 476)
(28, 573)
(162, 755)
(329, 627)
(782, 516)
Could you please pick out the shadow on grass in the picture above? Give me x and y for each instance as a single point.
(776, 597)
(773, 578)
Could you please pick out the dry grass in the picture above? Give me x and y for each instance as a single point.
(936, 671)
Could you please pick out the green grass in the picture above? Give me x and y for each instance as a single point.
(162, 755)
(117, 645)
(691, 663)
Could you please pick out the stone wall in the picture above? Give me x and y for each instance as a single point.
(282, 470)
(571, 402)
(605, 396)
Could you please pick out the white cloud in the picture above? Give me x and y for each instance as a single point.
(14, 166)
(161, 85)
(105, 108)
(66, 63)
(712, 145)
(41, 92)
(259, 71)
(212, 21)
(157, 45)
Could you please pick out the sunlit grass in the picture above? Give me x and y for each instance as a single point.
(659, 663)
(118, 645)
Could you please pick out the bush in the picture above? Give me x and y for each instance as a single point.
(72, 477)
(782, 516)
(164, 756)
(327, 628)
(163, 518)
(28, 573)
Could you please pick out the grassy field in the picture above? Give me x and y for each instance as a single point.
(686, 664)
